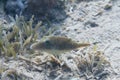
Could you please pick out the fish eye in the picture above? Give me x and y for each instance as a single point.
(47, 42)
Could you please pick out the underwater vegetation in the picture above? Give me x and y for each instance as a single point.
(93, 65)
(16, 39)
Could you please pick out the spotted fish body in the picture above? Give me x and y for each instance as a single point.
(57, 45)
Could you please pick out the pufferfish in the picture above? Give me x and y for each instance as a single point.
(56, 45)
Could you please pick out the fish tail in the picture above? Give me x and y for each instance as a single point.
(83, 44)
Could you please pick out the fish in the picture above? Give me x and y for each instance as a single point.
(57, 45)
